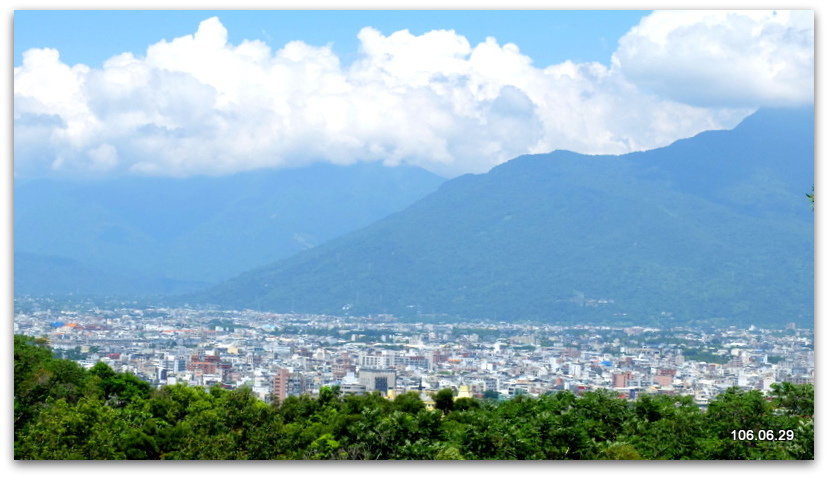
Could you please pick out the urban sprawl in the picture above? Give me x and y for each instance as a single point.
(277, 355)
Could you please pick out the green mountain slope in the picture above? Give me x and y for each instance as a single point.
(716, 226)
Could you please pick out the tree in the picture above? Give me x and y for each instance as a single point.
(119, 388)
(603, 412)
(65, 412)
(620, 451)
(795, 411)
(794, 399)
(466, 403)
(448, 452)
(39, 378)
(737, 409)
(491, 395)
(328, 396)
(666, 427)
(87, 430)
(409, 402)
(444, 400)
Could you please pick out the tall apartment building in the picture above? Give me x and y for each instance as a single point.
(280, 384)
(204, 363)
(174, 364)
(621, 380)
(382, 361)
(663, 380)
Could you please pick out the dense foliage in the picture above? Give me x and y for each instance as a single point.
(63, 411)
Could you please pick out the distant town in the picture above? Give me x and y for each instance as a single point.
(278, 355)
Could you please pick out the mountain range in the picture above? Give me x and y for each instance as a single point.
(711, 228)
(150, 235)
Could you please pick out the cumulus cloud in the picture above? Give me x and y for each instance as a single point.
(200, 105)
(715, 58)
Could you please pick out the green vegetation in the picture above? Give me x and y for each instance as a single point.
(75, 353)
(701, 355)
(64, 412)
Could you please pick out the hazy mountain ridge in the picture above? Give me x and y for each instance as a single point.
(200, 229)
(43, 275)
(712, 226)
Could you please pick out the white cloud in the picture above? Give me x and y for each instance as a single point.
(714, 58)
(199, 105)
(104, 157)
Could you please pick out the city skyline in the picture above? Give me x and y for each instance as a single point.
(261, 349)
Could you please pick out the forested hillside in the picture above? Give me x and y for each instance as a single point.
(715, 227)
(65, 412)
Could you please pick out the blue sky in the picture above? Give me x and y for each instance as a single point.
(184, 93)
(548, 37)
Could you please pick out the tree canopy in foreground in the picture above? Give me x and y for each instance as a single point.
(65, 412)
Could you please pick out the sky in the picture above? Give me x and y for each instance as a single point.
(183, 93)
